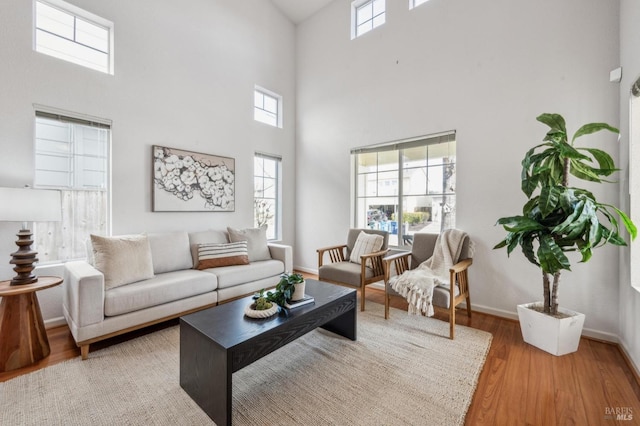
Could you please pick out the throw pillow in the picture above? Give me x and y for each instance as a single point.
(365, 244)
(213, 255)
(256, 239)
(123, 260)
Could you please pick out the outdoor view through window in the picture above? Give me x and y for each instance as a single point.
(407, 187)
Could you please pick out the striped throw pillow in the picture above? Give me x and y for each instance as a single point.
(365, 244)
(213, 255)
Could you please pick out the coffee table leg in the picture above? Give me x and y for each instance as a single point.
(345, 324)
(205, 374)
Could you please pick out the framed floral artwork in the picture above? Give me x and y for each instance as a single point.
(191, 181)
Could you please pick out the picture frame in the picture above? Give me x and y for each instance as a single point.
(187, 181)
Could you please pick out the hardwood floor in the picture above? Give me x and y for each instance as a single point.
(519, 385)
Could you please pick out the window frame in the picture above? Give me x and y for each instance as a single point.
(84, 16)
(265, 93)
(399, 170)
(74, 119)
(277, 199)
(358, 5)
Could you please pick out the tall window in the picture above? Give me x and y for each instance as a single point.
(366, 15)
(634, 178)
(267, 107)
(406, 187)
(72, 156)
(72, 34)
(267, 194)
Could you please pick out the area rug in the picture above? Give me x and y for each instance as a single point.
(399, 371)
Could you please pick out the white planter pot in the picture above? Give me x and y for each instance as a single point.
(558, 336)
(298, 291)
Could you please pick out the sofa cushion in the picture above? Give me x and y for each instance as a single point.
(213, 255)
(256, 239)
(365, 244)
(170, 251)
(123, 259)
(205, 237)
(229, 276)
(163, 288)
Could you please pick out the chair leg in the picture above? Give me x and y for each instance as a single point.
(469, 306)
(362, 297)
(452, 321)
(387, 300)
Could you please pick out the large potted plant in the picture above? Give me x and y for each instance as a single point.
(558, 218)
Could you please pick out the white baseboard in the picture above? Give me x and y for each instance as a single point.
(54, 322)
(513, 315)
(630, 361)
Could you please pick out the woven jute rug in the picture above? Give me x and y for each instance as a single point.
(400, 371)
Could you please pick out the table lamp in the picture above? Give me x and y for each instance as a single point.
(27, 205)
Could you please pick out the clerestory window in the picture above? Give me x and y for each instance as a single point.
(366, 15)
(72, 34)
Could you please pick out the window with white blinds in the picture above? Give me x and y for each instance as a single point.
(72, 155)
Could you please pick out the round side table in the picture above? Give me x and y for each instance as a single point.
(23, 338)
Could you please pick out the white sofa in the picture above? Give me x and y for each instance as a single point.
(95, 308)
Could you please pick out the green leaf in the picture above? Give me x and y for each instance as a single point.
(518, 224)
(501, 244)
(565, 226)
(529, 185)
(554, 121)
(549, 199)
(526, 242)
(584, 172)
(551, 257)
(607, 166)
(592, 128)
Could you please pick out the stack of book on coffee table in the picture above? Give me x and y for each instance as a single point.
(292, 304)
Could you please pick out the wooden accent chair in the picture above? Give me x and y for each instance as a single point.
(344, 272)
(444, 298)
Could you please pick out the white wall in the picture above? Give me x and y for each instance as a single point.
(630, 60)
(485, 68)
(184, 78)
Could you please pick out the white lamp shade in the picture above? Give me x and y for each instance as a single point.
(30, 205)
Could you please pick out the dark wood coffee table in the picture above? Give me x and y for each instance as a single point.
(216, 342)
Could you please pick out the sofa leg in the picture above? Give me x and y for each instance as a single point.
(84, 351)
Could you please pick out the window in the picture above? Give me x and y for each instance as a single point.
(72, 156)
(267, 107)
(406, 187)
(267, 194)
(634, 178)
(366, 15)
(72, 34)
(416, 3)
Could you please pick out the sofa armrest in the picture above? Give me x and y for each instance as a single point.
(83, 295)
(283, 253)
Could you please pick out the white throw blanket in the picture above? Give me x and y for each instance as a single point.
(416, 285)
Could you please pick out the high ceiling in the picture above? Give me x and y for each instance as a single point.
(299, 10)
